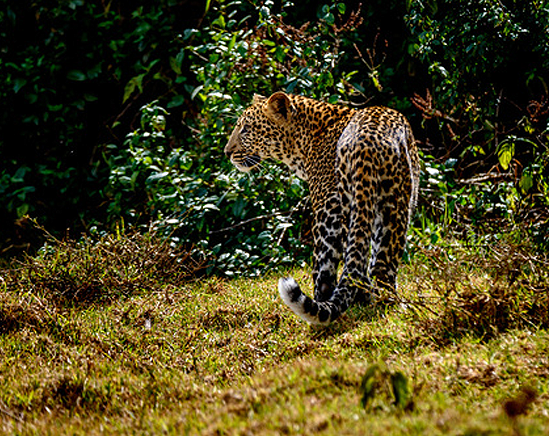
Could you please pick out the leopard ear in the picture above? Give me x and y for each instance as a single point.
(279, 107)
(258, 99)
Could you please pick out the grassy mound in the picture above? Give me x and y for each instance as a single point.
(117, 336)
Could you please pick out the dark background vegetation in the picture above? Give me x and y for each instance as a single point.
(114, 115)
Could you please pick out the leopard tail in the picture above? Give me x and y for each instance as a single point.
(312, 311)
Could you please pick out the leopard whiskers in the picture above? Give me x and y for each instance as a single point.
(251, 161)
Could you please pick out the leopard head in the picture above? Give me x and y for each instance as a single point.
(260, 131)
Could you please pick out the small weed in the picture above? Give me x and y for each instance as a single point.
(377, 379)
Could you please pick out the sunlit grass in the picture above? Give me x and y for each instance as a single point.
(216, 356)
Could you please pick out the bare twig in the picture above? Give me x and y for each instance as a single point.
(427, 107)
(10, 414)
(251, 220)
(481, 178)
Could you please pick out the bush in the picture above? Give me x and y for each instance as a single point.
(479, 290)
(67, 73)
(99, 269)
(94, 95)
(487, 105)
(242, 222)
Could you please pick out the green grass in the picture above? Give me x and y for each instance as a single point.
(88, 345)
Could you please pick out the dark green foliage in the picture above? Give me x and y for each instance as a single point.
(65, 67)
(112, 112)
(487, 103)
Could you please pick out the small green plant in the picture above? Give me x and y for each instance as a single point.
(380, 383)
(529, 171)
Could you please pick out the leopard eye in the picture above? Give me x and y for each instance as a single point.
(244, 130)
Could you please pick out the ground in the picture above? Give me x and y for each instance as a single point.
(215, 356)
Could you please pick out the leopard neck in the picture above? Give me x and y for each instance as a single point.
(317, 128)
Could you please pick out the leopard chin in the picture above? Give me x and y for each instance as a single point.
(247, 163)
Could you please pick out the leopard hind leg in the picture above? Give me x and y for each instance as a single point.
(389, 239)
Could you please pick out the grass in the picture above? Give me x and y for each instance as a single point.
(116, 336)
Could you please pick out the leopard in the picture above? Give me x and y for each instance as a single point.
(362, 168)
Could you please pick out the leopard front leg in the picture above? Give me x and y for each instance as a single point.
(328, 233)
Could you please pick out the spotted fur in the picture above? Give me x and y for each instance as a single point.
(362, 168)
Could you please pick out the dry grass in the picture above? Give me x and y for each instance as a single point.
(480, 291)
(90, 346)
(111, 267)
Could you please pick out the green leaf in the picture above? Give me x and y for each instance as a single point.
(134, 82)
(176, 101)
(369, 384)
(19, 175)
(177, 61)
(526, 182)
(232, 42)
(90, 97)
(506, 152)
(401, 392)
(157, 176)
(239, 207)
(341, 8)
(18, 84)
(196, 91)
(76, 75)
(220, 21)
(279, 54)
(374, 75)
(543, 186)
(22, 210)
